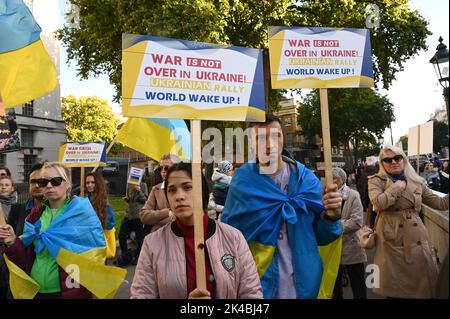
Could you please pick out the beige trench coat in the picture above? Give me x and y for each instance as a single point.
(402, 252)
(352, 219)
(156, 211)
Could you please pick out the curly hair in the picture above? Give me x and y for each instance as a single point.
(99, 197)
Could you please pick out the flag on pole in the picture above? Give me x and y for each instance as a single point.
(26, 69)
(156, 137)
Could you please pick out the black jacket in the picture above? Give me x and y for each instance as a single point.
(16, 218)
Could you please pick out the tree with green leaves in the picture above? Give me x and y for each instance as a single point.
(94, 41)
(404, 140)
(357, 116)
(89, 119)
(440, 136)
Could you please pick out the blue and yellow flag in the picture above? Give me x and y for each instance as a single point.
(257, 207)
(156, 137)
(74, 239)
(26, 70)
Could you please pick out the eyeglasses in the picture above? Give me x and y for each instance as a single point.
(396, 158)
(164, 168)
(55, 181)
(3, 174)
(34, 181)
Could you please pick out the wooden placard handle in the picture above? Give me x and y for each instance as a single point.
(82, 170)
(326, 140)
(198, 207)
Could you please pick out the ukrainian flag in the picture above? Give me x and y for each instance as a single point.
(75, 239)
(156, 137)
(26, 70)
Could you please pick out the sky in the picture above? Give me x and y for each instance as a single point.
(415, 93)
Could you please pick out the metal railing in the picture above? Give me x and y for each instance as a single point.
(22, 192)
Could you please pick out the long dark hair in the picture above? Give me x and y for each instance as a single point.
(99, 197)
(187, 167)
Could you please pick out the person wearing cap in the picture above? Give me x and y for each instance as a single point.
(221, 179)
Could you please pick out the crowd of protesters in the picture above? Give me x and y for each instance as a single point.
(263, 229)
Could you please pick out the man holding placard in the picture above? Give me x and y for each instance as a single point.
(279, 206)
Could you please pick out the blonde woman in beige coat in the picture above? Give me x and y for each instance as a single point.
(402, 251)
(353, 256)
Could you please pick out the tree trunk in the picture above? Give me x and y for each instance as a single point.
(348, 156)
(355, 151)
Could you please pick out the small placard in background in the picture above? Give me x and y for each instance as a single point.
(135, 176)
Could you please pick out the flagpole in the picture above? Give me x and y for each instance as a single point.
(107, 151)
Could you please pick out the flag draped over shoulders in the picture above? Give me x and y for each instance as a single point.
(257, 207)
(75, 239)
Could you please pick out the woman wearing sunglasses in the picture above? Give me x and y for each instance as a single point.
(402, 252)
(61, 224)
(166, 266)
(98, 195)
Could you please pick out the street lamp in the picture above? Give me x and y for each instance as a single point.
(440, 64)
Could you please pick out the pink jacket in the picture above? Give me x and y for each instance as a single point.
(161, 269)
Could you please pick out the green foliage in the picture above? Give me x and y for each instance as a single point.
(359, 116)
(119, 206)
(440, 136)
(117, 203)
(96, 44)
(404, 140)
(366, 150)
(401, 34)
(88, 119)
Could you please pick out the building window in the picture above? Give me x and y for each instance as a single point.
(27, 138)
(287, 120)
(334, 150)
(28, 162)
(289, 140)
(2, 159)
(28, 109)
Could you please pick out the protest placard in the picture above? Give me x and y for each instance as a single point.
(420, 141)
(135, 176)
(307, 57)
(303, 57)
(169, 78)
(82, 155)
